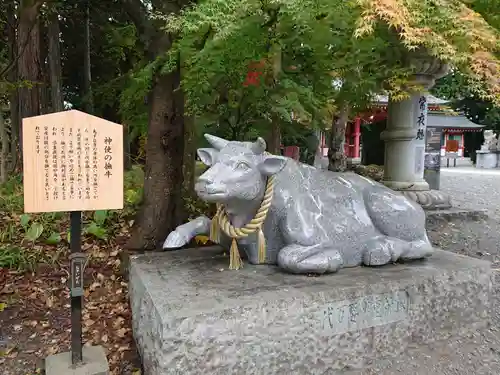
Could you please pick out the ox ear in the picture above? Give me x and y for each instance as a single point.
(272, 164)
(207, 155)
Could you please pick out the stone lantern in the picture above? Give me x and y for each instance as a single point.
(404, 136)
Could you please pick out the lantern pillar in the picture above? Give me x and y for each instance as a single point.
(405, 134)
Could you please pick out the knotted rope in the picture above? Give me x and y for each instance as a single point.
(221, 221)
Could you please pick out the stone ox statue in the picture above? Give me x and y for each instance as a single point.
(318, 221)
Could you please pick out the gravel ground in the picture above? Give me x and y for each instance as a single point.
(478, 354)
(469, 188)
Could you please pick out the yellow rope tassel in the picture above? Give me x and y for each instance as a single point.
(235, 262)
(214, 228)
(261, 243)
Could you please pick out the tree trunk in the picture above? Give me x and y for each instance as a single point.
(87, 71)
(29, 60)
(336, 153)
(127, 160)
(274, 144)
(274, 141)
(44, 86)
(189, 155)
(188, 168)
(55, 62)
(163, 178)
(15, 161)
(12, 78)
(163, 171)
(4, 148)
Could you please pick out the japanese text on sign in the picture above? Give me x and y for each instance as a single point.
(365, 312)
(37, 139)
(95, 179)
(86, 164)
(46, 166)
(107, 157)
(421, 118)
(64, 167)
(63, 159)
(72, 160)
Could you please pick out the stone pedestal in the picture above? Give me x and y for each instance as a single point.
(404, 154)
(94, 363)
(486, 159)
(405, 134)
(193, 316)
(433, 178)
(429, 199)
(353, 161)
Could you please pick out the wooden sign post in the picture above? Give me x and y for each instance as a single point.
(72, 162)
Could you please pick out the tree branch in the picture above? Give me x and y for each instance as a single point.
(239, 110)
(11, 24)
(138, 13)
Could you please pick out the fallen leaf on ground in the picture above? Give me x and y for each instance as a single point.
(37, 312)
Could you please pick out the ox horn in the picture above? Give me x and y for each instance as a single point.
(259, 146)
(216, 142)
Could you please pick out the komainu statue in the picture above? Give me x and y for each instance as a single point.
(274, 210)
(490, 141)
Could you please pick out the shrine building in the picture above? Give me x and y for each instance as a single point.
(440, 116)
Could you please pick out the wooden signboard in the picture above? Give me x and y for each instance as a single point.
(433, 139)
(72, 161)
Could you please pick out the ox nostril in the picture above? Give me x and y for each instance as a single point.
(205, 179)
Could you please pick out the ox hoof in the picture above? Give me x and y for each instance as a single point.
(376, 257)
(296, 261)
(382, 250)
(418, 250)
(175, 240)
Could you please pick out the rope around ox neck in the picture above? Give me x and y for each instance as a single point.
(221, 221)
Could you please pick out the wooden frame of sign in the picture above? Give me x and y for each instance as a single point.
(72, 161)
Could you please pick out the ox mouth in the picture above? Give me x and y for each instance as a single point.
(212, 192)
(211, 196)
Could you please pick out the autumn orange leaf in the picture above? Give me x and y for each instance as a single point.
(201, 240)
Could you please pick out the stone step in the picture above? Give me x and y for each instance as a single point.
(437, 217)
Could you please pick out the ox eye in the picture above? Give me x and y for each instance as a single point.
(242, 165)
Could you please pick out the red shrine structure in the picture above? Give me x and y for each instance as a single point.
(453, 126)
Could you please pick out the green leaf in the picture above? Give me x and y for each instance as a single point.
(100, 217)
(132, 196)
(25, 219)
(35, 231)
(2, 306)
(53, 239)
(68, 236)
(96, 231)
